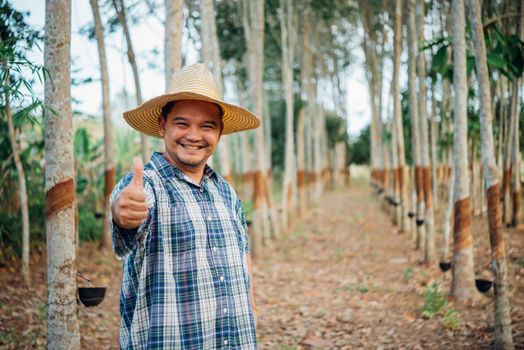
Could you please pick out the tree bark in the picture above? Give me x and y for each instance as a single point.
(109, 182)
(463, 281)
(121, 12)
(515, 154)
(62, 318)
(211, 56)
(397, 114)
(288, 34)
(503, 337)
(414, 116)
(15, 147)
(429, 217)
(370, 52)
(253, 23)
(174, 28)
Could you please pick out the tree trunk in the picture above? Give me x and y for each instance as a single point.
(253, 23)
(434, 158)
(109, 182)
(370, 52)
(211, 57)
(429, 218)
(397, 115)
(304, 137)
(515, 154)
(508, 166)
(174, 27)
(121, 12)
(62, 318)
(447, 218)
(288, 34)
(414, 116)
(463, 281)
(15, 147)
(503, 337)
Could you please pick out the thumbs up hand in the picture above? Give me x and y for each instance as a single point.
(130, 208)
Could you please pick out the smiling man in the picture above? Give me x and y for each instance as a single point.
(180, 228)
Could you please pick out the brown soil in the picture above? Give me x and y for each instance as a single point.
(343, 278)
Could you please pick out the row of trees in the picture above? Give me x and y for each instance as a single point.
(237, 38)
(476, 64)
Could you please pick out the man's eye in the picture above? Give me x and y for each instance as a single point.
(181, 124)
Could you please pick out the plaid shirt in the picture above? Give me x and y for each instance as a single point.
(186, 281)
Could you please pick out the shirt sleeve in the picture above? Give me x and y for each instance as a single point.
(125, 241)
(242, 220)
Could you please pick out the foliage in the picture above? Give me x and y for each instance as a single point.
(17, 78)
(450, 318)
(409, 273)
(335, 127)
(359, 148)
(434, 301)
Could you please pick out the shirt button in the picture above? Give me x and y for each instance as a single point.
(221, 278)
(209, 218)
(215, 249)
(226, 342)
(225, 310)
(201, 189)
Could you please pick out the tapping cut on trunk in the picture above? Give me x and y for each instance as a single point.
(60, 197)
(462, 225)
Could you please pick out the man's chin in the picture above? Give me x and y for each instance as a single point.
(191, 162)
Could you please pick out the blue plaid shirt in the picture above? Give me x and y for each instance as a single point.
(186, 280)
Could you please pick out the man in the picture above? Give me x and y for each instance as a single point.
(180, 228)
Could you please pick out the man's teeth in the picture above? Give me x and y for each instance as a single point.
(192, 147)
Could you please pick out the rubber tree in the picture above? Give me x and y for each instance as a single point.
(211, 56)
(515, 152)
(174, 27)
(288, 30)
(109, 163)
(414, 118)
(370, 51)
(62, 316)
(120, 9)
(429, 215)
(15, 31)
(400, 172)
(253, 24)
(304, 115)
(503, 337)
(463, 281)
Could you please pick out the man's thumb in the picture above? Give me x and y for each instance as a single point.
(138, 167)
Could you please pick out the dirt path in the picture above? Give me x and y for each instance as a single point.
(342, 279)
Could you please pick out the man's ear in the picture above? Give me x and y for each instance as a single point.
(161, 125)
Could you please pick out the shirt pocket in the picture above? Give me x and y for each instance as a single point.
(177, 230)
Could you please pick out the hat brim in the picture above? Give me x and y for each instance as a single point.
(144, 118)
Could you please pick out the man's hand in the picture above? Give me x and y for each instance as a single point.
(130, 208)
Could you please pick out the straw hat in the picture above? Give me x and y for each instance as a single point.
(193, 82)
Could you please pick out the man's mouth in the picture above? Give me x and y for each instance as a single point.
(192, 147)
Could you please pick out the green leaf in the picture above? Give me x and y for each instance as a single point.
(440, 59)
(495, 60)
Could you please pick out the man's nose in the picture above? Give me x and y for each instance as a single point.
(193, 134)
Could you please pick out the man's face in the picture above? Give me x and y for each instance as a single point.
(191, 133)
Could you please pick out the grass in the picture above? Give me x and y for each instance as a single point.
(436, 304)
(434, 301)
(409, 273)
(359, 288)
(6, 339)
(450, 318)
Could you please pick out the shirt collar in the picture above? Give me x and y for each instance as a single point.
(168, 170)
